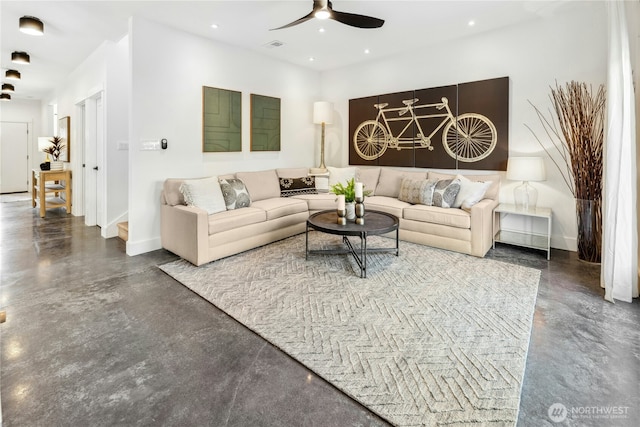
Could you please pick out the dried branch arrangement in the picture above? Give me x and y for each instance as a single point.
(577, 135)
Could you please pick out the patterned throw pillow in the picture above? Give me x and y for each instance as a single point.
(235, 194)
(294, 186)
(417, 191)
(445, 192)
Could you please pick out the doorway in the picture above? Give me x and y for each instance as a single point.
(92, 130)
(14, 157)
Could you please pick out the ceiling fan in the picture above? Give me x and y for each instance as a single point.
(323, 9)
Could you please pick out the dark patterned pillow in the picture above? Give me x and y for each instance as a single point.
(294, 186)
(416, 191)
(235, 194)
(445, 192)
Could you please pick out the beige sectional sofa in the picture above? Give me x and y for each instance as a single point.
(201, 237)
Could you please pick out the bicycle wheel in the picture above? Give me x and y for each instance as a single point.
(370, 140)
(472, 137)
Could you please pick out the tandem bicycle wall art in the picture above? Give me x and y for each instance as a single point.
(463, 126)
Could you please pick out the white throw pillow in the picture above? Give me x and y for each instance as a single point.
(204, 193)
(342, 175)
(471, 192)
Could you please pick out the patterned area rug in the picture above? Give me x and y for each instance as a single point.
(431, 337)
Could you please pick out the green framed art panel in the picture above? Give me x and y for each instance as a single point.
(221, 120)
(265, 123)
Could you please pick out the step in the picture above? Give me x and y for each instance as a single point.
(123, 230)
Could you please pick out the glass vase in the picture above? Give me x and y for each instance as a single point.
(589, 216)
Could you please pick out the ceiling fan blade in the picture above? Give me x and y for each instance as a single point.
(299, 21)
(359, 21)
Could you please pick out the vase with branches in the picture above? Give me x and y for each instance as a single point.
(577, 137)
(56, 147)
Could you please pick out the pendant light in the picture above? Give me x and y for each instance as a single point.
(8, 88)
(12, 74)
(31, 25)
(20, 57)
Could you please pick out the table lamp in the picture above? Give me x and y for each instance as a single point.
(526, 169)
(322, 114)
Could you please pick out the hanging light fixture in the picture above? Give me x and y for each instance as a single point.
(5, 97)
(8, 88)
(12, 74)
(20, 57)
(31, 25)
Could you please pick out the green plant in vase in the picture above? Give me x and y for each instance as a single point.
(349, 191)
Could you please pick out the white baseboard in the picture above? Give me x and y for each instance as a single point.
(137, 248)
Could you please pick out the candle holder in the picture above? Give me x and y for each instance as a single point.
(360, 210)
(342, 220)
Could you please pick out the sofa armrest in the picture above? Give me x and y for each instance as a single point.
(482, 226)
(185, 232)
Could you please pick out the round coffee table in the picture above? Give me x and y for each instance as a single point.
(375, 223)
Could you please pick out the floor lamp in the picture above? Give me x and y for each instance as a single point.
(322, 114)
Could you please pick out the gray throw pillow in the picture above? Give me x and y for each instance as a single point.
(417, 191)
(445, 192)
(235, 194)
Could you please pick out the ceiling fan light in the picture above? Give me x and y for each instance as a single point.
(5, 97)
(8, 88)
(20, 57)
(12, 74)
(323, 13)
(31, 25)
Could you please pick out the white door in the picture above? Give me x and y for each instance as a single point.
(94, 189)
(100, 187)
(14, 157)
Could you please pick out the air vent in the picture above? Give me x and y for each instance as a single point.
(274, 43)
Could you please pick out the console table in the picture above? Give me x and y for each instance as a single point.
(47, 189)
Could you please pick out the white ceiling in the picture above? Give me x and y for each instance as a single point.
(73, 29)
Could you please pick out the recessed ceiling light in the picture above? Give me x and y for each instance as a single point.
(367, 51)
(9, 88)
(5, 97)
(311, 59)
(321, 30)
(12, 74)
(471, 23)
(31, 25)
(214, 26)
(20, 57)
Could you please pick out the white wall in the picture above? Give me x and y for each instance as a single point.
(168, 70)
(570, 45)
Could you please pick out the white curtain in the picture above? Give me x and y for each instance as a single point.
(620, 238)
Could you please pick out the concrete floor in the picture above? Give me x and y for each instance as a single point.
(94, 337)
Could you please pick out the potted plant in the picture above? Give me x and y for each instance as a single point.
(55, 149)
(349, 192)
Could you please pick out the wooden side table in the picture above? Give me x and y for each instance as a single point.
(522, 238)
(47, 187)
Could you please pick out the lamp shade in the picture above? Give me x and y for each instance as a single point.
(526, 169)
(20, 57)
(31, 25)
(322, 112)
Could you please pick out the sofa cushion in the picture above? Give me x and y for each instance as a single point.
(492, 191)
(340, 175)
(445, 192)
(385, 204)
(435, 215)
(279, 207)
(171, 191)
(292, 172)
(235, 194)
(236, 218)
(260, 185)
(369, 178)
(204, 193)
(390, 180)
(471, 192)
(319, 202)
(294, 186)
(416, 191)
